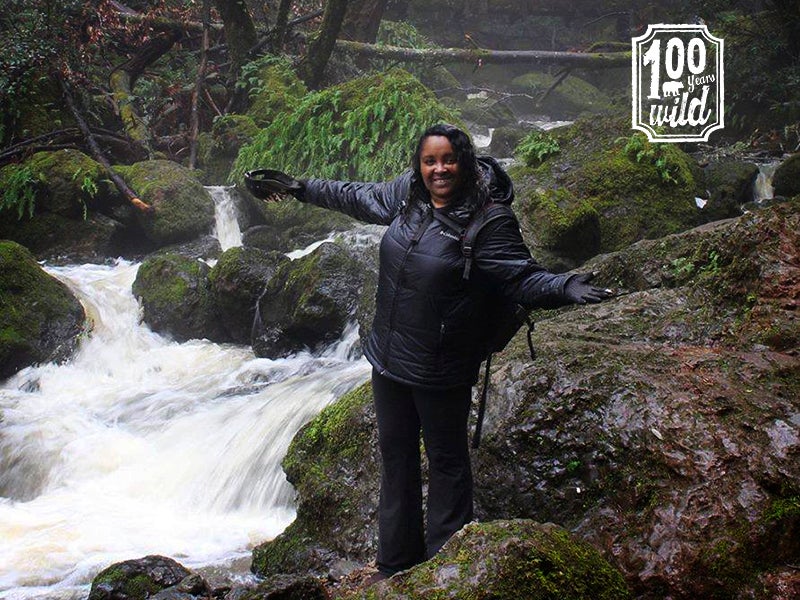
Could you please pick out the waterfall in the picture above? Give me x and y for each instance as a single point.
(227, 229)
(762, 189)
(140, 445)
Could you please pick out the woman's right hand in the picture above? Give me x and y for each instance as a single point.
(266, 183)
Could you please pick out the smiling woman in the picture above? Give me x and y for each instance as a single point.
(430, 330)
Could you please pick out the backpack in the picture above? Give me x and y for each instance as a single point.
(507, 316)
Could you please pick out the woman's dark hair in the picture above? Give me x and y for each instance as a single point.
(474, 191)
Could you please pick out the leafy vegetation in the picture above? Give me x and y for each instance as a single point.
(364, 129)
(537, 146)
(640, 149)
(19, 191)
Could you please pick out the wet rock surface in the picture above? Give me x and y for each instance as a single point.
(662, 427)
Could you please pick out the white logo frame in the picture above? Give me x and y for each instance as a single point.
(641, 119)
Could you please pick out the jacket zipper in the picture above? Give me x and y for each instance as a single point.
(426, 220)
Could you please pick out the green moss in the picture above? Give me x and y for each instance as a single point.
(274, 88)
(183, 208)
(508, 560)
(364, 129)
(36, 311)
(566, 223)
(331, 435)
(783, 508)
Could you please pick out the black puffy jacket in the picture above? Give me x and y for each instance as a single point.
(430, 321)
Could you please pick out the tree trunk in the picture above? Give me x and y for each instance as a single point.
(240, 33)
(312, 68)
(194, 128)
(281, 25)
(597, 60)
(123, 78)
(362, 19)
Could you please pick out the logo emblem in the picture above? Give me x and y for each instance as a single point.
(678, 83)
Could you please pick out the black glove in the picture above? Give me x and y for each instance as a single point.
(263, 183)
(579, 291)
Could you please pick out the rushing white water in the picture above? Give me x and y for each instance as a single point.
(140, 445)
(227, 229)
(762, 189)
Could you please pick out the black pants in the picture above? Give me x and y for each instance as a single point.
(402, 411)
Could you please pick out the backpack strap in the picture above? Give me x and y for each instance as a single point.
(469, 233)
(491, 212)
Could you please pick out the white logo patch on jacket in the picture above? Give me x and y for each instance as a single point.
(452, 236)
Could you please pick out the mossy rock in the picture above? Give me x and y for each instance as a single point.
(218, 148)
(40, 319)
(488, 111)
(508, 560)
(39, 111)
(636, 189)
(572, 97)
(237, 282)
(175, 293)
(64, 182)
(363, 129)
(182, 207)
(137, 579)
(786, 181)
(289, 225)
(60, 239)
(308, 302)
(333, 463)
(731, 185)
(505, 140)
(278, 91)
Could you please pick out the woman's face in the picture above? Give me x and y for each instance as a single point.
(438, 165)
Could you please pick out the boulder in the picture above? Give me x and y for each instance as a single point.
(183, 208)
(58, 239)
(730, 184)
(176, 297)
(218, 148)
(595, 188)
(237, 282)
(488, 111)
(287, 588)
(660, 427)
(786, 181)
(333, 463)
(57, 203)
(308, 302)
(137, 579)
(40, 318)
(507, 560)
(505, 140)
(535, 94)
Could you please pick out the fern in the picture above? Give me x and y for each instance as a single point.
(19, 193)
(364, 130)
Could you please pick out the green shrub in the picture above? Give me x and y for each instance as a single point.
(537, 146)
(364, 129)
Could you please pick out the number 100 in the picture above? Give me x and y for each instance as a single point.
(677, 58)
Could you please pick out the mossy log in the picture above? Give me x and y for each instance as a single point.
(584, 60)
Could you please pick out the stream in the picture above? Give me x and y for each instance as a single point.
(140, 445)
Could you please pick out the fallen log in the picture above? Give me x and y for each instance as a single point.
(97, 153)
(583, 60)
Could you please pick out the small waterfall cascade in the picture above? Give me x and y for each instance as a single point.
(762, 189)
(226, 229)
(140, 445)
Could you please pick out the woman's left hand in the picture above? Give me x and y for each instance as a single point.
(579, 291)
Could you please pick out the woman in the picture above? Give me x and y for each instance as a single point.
(427, 339)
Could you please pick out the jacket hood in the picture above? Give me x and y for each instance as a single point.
(501, 189)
